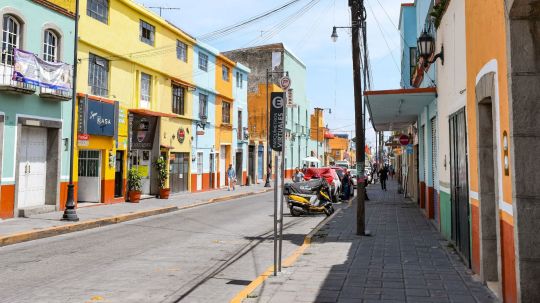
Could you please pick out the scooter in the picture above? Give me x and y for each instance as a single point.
(309, 197)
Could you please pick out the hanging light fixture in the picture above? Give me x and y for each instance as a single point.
(334, 35)
(426, 48)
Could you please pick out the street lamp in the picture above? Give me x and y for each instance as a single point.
(334, 35)
(426, 48)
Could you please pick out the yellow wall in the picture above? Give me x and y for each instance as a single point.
(67, 4)
(317, 115)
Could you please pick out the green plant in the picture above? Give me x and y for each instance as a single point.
(163, 175)
(438, 12)
(134, 180)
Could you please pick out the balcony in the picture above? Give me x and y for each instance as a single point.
(7, 84)
(55, 94)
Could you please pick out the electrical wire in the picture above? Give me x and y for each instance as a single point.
(384, 38)
(220, 33)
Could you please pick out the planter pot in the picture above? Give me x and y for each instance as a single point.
(134, 196)
(164, 193)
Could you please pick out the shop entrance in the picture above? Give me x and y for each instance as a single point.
(32, 167)
(178, 172)
(238, 168)
(89, 187)
(459, 184)
(222, 168)
(141, 160)
(212, 175)
(119, 174)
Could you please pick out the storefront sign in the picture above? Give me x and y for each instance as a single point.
(404, 139)
(31, 69)
(83, 137)
(97, 118)
(277, 121)
(100, 118)
(143, 131)
(181, 135)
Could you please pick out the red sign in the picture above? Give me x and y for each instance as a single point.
(200, 133)
(285, 82)
(83, 137)
(404, 139)
(181, 135)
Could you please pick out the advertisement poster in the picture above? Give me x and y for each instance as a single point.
(30, 69)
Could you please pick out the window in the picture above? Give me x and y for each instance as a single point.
(413, 61)
(178, 99)
(181, 50)
(98, 75)
(225, 112)
(203, 62)
(50, 46)
(11, 36)
(240, 126)
(147, 33)
(225, 73)
(239, 79)
(98, 9)
(203, 106)
(146, 90)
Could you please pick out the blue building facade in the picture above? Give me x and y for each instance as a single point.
(35, 122)
(240, 122)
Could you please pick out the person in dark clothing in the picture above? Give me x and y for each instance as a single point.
(383, 176)
(346, 183)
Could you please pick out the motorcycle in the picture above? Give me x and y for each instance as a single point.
(309, 197)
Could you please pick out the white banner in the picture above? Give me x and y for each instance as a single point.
(28, 68)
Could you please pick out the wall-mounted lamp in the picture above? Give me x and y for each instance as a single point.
(66, 144)
(202, 122)
(426, 48)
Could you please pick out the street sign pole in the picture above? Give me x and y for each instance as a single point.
(277, 140)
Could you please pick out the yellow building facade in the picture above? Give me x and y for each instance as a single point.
(135, 73)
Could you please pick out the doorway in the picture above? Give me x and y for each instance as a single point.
(260, 162)
(119, 174)
(178, 172)
(89, 187)
(212, 171)
(32, 167)
(251, 164)
(222, 168)
(199, 170)
(238, 167)
(459, 184)
(141, 159)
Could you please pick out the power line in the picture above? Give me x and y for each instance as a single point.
(384, 38)
(232, 28)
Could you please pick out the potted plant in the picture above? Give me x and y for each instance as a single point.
(162, 175)
(134, 185)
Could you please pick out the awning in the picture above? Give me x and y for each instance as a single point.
(392, 110)
(329, 136)
(147, 112)
(183, 83)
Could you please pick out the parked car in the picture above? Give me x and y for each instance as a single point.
(331, 177)
(354, 176)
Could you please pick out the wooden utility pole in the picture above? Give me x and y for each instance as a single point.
(357, 20)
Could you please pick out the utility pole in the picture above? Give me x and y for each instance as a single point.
(357, 20)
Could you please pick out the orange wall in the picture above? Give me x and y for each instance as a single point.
(257, 111)
(486, 41)
(320, 123)
(222, 86)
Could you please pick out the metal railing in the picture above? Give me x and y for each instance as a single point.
(6, 79)
(60, 94)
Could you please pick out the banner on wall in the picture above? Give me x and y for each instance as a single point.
(30, 69)
(143, 131)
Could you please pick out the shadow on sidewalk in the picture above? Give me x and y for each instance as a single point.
(404, 260)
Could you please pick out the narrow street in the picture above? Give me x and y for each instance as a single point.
(203, 254)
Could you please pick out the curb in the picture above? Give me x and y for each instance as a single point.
(90, 224)
(289, 261)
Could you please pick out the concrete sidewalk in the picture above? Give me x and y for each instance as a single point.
(405, 260)
(46, 225)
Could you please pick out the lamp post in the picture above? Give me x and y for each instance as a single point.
(358, 17)
(70, 214)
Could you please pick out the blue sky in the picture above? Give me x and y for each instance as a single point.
(329, 65)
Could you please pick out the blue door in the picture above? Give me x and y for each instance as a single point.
(260, 162)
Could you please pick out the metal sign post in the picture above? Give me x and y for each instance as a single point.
(277, 140)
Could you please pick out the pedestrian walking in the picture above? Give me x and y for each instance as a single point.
(346, 185)
(268, 172)
(298, 175)
(383, 176)
(231, 174)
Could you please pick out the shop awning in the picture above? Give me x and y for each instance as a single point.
(147, 112)
(183, 83)
(329, 136)
(393, 110)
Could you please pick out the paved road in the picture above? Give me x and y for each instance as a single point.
(204, 254)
